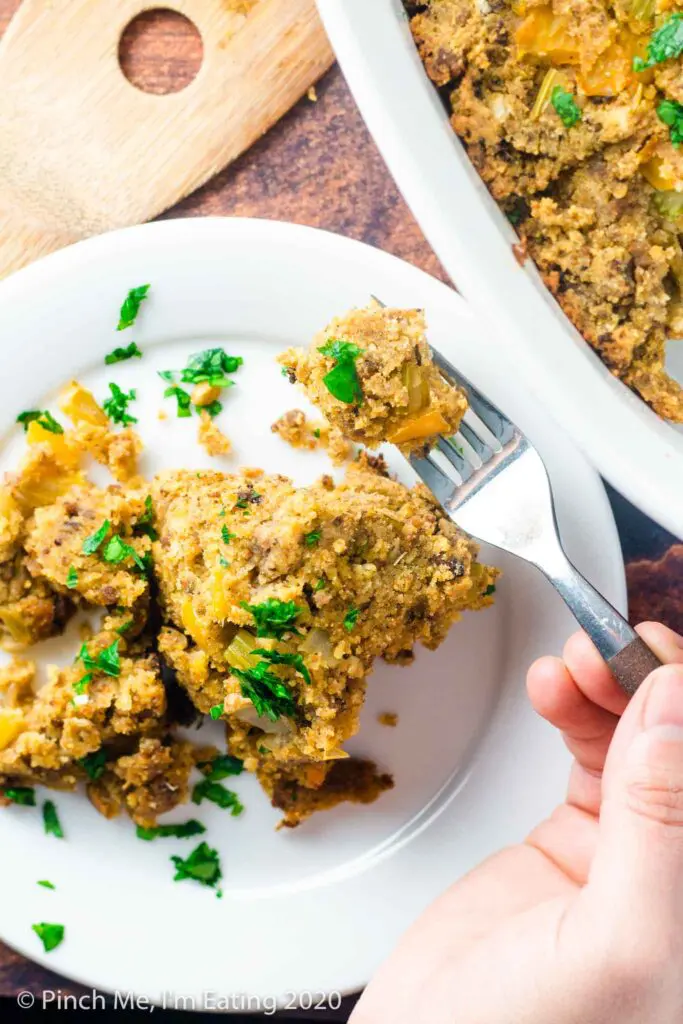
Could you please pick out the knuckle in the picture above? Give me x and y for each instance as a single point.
(657, 794)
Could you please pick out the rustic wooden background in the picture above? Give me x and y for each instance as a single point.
(320, 167)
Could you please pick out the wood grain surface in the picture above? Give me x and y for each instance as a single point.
(318, 166)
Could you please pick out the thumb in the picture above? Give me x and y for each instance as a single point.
(638, 867)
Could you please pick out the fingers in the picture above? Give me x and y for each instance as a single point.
(638, 867)
(556, 696)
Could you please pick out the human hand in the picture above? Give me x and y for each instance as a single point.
(583, 922)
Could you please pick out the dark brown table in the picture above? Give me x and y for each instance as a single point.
(319, 166)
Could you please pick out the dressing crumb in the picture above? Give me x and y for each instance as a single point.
(312, 94)
(388, 718)
(211, 437)
(294, 428)
(162, 414)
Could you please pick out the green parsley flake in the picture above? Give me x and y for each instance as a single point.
(144, 524)
(107, 661)
(219, 795)
(183, 401)
(226, 535)
(116, 406)
(670, 112)
(22, 795)
(95, 540)
(273, 617)
(271, 697)
(316, 433)
(183, 830)
(211, 366)
(51, 820)
(296, 661)
(125, 627)
(203, 866)
(566, 106)
(213, 408)
(72, 579)
(312, 538)
(320, 585)
(119, 355)
(342, 381)
(263, 750)
(51, 935)
(94, 764)
(351, 618)
(222, 766)
(216, 711)
(44, 419)
(117, 551)
(131, 306)
(45, 884)
(491, 589)
(666, 43)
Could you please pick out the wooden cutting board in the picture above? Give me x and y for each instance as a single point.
(83, 151)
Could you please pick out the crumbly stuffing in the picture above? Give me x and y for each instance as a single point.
(398, 396)
(369, 567)
(211, 437)
(596, 196)
(294, 428)
(388, 718)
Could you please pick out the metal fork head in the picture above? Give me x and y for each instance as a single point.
(489, 478)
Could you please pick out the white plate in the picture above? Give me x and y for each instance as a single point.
(313, 910)
(640, 454)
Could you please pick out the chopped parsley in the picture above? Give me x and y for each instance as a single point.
(119, 355)
(213, 408)
(72, 578)
(665, 43)
(226, 535)
(219, 795)
(94, 764)
(44, 419)
(211, 366)
(223, 561)
(670, 112)
(124, 627)
(51, 935)
(116, 407)
(274, 617)
(107, 661)
(296, 661)
(271, 697)
(144, 524)
(342, 381)
(312, 538)
(45, 884)
(351, 618)
(491, 589)
(51, 820)
(320, 585)
(263, 750)
(183, 401)
(22, 795)
(216, 711)
(316, 433)
(566, 106)
(117, 551)
(221, 767)
(203, 866)
(131, 306)
(95, 540)
(184, 830)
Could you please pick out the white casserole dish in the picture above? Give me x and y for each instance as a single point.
(638, 453)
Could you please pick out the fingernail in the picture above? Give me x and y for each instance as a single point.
(664, 703)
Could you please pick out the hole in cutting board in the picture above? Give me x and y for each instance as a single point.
(161, 51)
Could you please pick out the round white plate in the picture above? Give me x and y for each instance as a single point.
(640, 454)
(314, 910)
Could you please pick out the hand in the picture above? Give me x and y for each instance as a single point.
(583, 922)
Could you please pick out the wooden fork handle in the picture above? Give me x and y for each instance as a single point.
(632, 665)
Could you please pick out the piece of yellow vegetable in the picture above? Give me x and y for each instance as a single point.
(424, 425)
(80, 406)
(658, 176)
(418, 389)
(613, 71)
(546, 34)
(192, 623)
(12, 723)
(238, 654)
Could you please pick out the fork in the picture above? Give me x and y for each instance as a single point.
(507, 501)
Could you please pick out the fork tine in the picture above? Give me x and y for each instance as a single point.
(441, 486)
(456, 459)
(490, 415)
(483, 450)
